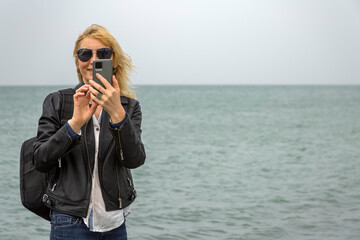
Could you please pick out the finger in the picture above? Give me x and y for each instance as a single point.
(103, 80)
(88, 93)
(93, 91)
(78, 94)
(115, 84)
(82, 91)
(94, 104)
(83, 88)
(95, 100)
(93, 107)
(97, 86)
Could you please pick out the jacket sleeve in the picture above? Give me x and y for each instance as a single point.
(53, 140)
(128, 137)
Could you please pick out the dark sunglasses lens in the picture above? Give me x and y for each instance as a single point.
(104, 53)
(84, 54)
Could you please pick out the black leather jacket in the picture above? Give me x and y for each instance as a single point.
(69, 162)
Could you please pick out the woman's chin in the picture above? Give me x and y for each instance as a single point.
(86, 81)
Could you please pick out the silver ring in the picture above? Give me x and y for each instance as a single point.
(98, 95)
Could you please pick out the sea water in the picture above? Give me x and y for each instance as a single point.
(223, 162)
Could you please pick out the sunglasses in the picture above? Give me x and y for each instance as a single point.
(85, 54)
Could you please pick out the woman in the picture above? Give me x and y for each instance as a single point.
(87, 160)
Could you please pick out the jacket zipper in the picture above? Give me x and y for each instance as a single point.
(87, 151)
(88, 160)
(117, 169)
(118, 183)
(121, 151)
(68, 151)
(59, 161)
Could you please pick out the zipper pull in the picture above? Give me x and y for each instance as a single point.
(53, 188)
(129, 180)
(121, 151)
(59, 162)
(121, 155)
(120, 203)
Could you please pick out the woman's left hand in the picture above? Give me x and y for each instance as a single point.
(110, 98)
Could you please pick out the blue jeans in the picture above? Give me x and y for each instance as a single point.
(64, 226)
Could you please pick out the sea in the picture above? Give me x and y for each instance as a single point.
(223, 162)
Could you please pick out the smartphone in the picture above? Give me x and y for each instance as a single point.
(105, 68)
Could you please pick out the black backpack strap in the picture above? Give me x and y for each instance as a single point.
(66, 104)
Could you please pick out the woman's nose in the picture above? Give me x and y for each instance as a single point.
(94, 55)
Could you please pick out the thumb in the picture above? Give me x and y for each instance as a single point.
(94, 105)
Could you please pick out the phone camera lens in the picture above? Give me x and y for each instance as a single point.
(98, 65)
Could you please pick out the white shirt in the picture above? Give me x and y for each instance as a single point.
(98, 219)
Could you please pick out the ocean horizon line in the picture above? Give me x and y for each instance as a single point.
(194, 85)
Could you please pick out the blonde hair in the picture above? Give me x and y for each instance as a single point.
(121, 60)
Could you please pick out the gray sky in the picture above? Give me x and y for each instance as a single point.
(188, 41)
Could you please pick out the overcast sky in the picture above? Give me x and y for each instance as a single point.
(188, 41)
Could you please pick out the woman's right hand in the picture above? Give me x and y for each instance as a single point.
(82, 110)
